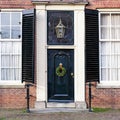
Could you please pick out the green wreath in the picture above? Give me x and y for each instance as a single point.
(60, 71)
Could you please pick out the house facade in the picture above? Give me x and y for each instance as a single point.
(59, 47)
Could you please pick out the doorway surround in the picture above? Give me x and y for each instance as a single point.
(41, 54)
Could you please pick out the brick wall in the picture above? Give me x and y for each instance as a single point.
(24, 4)
(93, 4)
(15, 98)
(104, 97)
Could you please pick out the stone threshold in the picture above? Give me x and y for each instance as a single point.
(60, 105)
(74, 105)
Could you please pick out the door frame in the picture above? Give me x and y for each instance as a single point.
(79, 55)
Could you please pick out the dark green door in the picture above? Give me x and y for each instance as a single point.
(60, 75)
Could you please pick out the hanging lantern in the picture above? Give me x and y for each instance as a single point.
(60, 30)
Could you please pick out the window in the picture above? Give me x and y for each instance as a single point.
(110, 47)
(10, 46)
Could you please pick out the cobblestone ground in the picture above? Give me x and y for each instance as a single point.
(81, 115)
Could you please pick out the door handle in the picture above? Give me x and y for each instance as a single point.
(72, 74)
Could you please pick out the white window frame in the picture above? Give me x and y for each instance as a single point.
(13, 83)
(106, 84)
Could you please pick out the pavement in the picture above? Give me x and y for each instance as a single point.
(58, 114)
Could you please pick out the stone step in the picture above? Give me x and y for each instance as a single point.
(56, 110)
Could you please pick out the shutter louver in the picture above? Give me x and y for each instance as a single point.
(92, 45)
(28, 38)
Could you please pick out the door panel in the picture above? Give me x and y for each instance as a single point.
(61, 83)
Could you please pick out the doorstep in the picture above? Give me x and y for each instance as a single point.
(60, 105)
(56, 110)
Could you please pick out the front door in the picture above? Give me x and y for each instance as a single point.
(60, 75)
(60, 34)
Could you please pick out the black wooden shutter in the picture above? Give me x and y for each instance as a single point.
(28, 38)
(92, 45)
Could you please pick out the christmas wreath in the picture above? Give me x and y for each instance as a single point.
(60, 71)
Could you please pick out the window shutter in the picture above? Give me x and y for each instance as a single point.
(28, 38)
(92, 45)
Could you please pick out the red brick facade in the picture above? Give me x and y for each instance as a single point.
(16, 97)
(96, 4)
(102, 97)
(24, 4)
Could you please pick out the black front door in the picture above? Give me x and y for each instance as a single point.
(60, 75)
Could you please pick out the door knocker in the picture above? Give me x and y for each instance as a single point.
(60, 70)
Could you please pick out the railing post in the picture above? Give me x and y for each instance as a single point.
(27, 86)
(90, 97)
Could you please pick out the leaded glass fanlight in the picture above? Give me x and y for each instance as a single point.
(60, 28)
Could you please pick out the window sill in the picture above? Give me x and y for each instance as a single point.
(105, 85)
(11, 84)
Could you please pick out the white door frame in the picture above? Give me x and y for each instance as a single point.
(79, 55)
